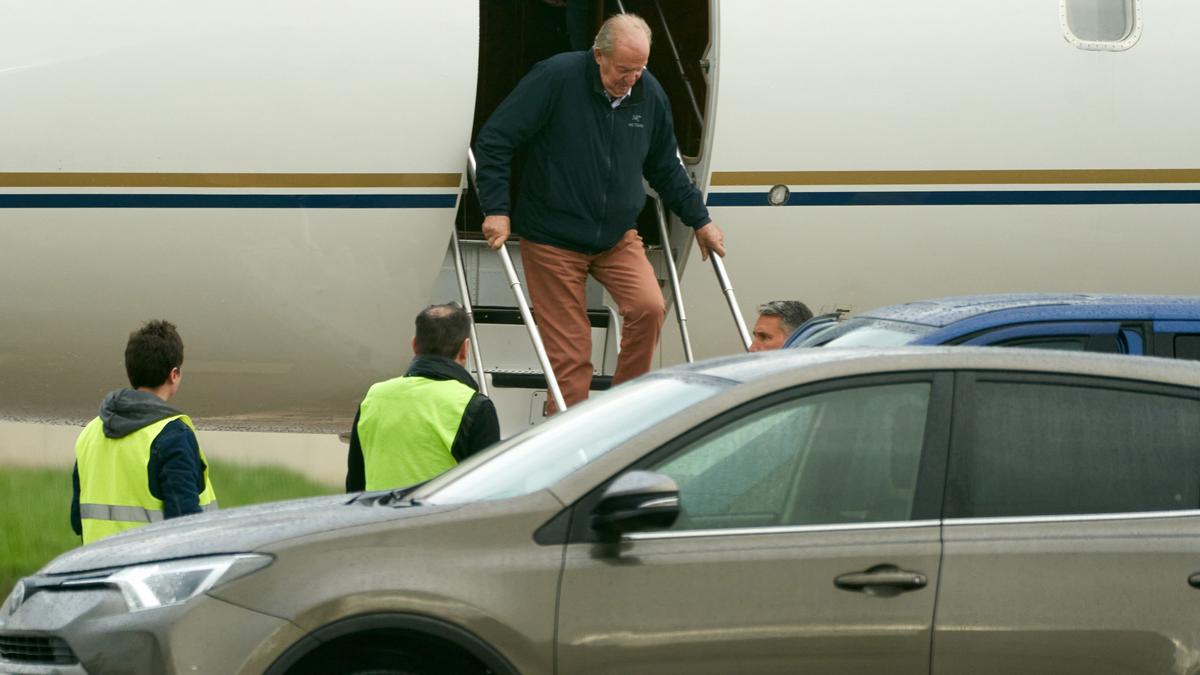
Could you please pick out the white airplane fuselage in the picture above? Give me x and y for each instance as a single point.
(280, 179)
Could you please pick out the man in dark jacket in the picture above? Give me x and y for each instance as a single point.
(412, 428)
(139, 461)
(777, 320)
(594, 124)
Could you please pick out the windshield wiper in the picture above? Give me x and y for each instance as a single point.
(396, 495)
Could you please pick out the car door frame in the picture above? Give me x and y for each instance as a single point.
(927, 503)
(1165, 332)
(926, 512)
(1094, 330)
(970, 633)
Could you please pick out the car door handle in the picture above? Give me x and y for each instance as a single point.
(881, 577)
(1194, 580)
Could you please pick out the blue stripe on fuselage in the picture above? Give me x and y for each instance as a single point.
(962, 198)
(210, 201)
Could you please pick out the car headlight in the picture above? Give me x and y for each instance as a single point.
(13, 601)
(170, 583)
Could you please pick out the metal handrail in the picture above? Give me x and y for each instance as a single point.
(526, 315)
(466, 303)
(727, 288)
(673, 275)
(614, 322)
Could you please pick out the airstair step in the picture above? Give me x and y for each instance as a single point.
(511, 380)
(511, 316)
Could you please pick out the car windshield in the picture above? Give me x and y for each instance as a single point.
(546, 453)
(866, 332)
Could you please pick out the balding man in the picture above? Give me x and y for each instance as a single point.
(412, 428)
(594, 123)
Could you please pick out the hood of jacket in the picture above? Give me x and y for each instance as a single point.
(124, 411)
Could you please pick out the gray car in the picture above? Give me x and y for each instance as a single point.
(938, 510)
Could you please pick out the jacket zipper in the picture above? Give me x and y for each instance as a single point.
(612, 115)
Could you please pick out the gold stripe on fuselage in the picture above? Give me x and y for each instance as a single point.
(963, 177)
(230, 180)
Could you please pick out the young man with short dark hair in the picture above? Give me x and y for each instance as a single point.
(139, 461)
(412, 428)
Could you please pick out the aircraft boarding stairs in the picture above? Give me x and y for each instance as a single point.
(488, 283)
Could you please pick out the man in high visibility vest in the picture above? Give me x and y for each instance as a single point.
(412, 428)
(138, 461)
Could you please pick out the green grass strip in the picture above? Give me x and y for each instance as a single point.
(35, 509)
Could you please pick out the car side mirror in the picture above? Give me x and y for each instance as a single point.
(634, 502)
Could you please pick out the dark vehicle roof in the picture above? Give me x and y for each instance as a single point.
(800, 365)
(988, 310)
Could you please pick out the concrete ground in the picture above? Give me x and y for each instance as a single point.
(320, 457)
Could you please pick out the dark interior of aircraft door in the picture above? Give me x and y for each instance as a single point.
(516, 34)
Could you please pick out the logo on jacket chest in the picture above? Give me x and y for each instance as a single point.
(636, 121)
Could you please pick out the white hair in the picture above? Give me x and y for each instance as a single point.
(619, 25)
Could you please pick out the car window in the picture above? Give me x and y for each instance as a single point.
(546, 453)
(1068, 343)
(1044, 449)
(866, 332)
(846, 456)
(1187, 347)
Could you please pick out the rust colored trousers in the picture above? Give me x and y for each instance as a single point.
(557, 280)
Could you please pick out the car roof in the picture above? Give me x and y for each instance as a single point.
(1009, 308)
(776, 368)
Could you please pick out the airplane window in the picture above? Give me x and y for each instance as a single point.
(1111, 25)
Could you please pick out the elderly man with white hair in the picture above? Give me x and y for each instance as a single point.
(593, 123)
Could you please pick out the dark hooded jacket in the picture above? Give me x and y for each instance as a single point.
(582, 184)
(478, 429)
(175, 473)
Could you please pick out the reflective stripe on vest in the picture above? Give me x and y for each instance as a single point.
(406, 427)
(114, 487)
(127, 514)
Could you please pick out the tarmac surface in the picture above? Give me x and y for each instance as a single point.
(319, 456)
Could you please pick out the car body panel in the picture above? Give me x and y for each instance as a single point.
(756, 603)
(1070, 596)
(525, 576)
(974, 320)
(1069, 543)
(481, 571)
(240, 529)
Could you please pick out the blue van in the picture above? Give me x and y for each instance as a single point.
(1165, 326)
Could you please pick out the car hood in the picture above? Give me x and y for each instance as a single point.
(236, 530)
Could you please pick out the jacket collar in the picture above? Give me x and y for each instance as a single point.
(434, 367)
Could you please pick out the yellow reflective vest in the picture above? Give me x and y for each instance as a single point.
(407, 426)
(114, 487)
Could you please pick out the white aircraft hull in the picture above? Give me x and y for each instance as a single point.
(945, 147)
(280, 178)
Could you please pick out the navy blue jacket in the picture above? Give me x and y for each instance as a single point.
(582, 185)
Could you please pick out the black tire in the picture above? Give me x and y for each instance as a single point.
(395, 662)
